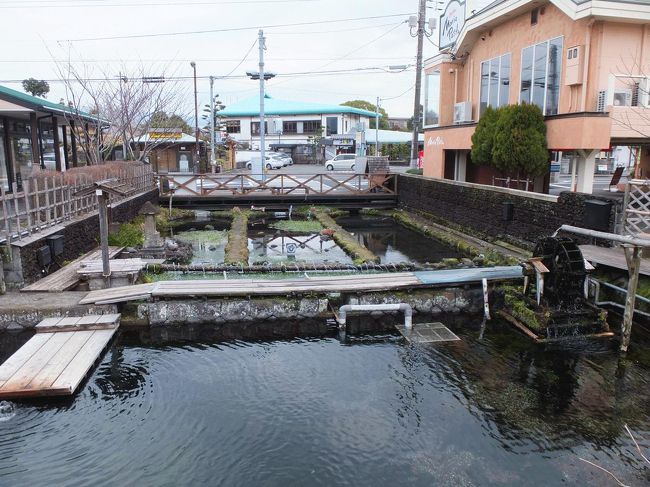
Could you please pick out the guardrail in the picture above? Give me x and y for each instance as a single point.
(47, 199)
(233, 185)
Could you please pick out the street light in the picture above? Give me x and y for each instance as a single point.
(196, 123)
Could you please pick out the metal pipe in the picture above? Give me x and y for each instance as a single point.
(348, 308)
(596, 283)
(641, 242)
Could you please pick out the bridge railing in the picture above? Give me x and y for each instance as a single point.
(241, 185)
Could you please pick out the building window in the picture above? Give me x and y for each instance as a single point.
(234, 126)
(541, 68)
(495, 82)
(534, 14)
(290, 127)
(432, 99)
(255, 128)
(312, 127)
(332, 125)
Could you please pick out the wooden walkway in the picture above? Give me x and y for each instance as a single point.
(66, 278)
(283, 287)
(55, 360)
(611, 257)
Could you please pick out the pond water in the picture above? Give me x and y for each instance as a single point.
(394, 243)
(208, 239)
(217, 406)
(268, 244)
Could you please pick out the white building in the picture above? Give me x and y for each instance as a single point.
(291, 125)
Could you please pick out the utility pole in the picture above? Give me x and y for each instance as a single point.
(213, 161)
(262, 46)
(196, 124)
(125, 148)
(418, 82)
(377, 127)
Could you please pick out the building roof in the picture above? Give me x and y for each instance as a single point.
(391, 137)
(500, 11)
(42, 104)
(250, 107)
(182, 139)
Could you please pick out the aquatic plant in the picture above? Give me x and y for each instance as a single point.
(165, 221)
(202, 236)
(298, 226)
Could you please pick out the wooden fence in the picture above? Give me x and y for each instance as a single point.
(47, 199)
(237, 185)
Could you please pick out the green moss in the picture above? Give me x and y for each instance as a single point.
(129, 234)
(237, 246)
(298, 226)
(525, 310)
(345, 240)
(165, 221)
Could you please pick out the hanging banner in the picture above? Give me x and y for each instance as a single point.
(451, 22)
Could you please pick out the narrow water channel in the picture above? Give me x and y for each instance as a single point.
(193, 407)
(394, 243)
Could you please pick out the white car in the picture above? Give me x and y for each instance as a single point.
(286, 158)
(342, 162)
(272, 162)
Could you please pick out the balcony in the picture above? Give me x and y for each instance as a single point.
(627, 100)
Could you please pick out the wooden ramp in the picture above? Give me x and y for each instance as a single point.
(55, 360)
(611, 257)
(66, 278)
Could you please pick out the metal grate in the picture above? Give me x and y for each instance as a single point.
(427, 333)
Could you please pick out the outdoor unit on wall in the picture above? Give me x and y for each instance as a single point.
(622, 98)
(463, 112)
(574, 66)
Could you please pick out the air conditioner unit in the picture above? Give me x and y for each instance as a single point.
(602, 100)
(463, 112)
(623, 98)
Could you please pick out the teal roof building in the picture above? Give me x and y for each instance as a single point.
(250, 107)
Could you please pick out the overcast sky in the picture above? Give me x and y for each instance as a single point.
(35, 31)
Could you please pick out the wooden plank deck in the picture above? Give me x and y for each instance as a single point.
(117, 265)
(66, 278)
(611, 257)
(55, 360)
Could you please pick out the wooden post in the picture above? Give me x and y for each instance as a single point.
(9, 156)
(57, 144)
(66, 159)
(33, 124)
(73, 142)
(633, 258)
(102, 200)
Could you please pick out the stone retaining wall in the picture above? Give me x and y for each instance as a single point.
(479, 208)
(80, 235)
(188, 312)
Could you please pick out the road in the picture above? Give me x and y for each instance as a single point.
(601, 183)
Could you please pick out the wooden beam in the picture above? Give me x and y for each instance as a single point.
(9, 156)
(633, 258)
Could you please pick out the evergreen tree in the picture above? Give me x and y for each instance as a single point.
(483, 137)
(520, 141)
(36, 87)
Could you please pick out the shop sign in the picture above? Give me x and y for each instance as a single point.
(435, 141)
(451, 22)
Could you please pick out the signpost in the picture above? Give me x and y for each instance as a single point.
(451, 23)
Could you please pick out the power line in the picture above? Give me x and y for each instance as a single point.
(198, 60)
(243, 59)
(232, 29)
(132, 5)
(363, 70)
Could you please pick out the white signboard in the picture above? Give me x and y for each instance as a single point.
(451, 22)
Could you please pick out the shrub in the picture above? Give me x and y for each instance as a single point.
(483, 137)
(419, 172)
(129, 235)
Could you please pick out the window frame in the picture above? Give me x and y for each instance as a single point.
(425, 102)
(521, 68)
(498, 97)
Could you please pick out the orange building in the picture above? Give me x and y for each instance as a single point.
(585, 63)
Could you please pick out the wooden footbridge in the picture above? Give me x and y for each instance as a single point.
(278, 191)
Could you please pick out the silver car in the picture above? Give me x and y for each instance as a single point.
(342, 162)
